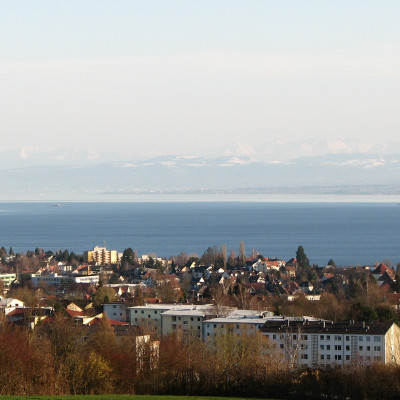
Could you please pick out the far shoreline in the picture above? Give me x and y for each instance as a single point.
(206, 197)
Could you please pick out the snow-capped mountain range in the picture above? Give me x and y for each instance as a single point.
(231, 172)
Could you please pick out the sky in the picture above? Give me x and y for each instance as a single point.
(144, 78)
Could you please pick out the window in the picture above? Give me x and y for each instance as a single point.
(185, 322)
(215, 325)
(281, 346)
(179, 318)
(328, 346)
(304, 337)
(114, 306)
(328, 357)
(322, 356)
(304, 356)
(368, 348)
(347, 338)
(294, 337)
(360, 338)
(322, 347)
(321, 337)
(337, 347)
(135, 311)
(142, 311)
(377, 348)
(328, 337)
(368, 338)
(155, 312)
(360, 348)
(377, 338)
(347, 348)
(191, 318)
(338, 357)
(198, 319)
(273, 336)
(347, 358)
(208, 325)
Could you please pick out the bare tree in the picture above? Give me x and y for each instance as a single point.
(242, 253)
(224, 254)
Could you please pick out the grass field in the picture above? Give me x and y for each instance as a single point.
(120, 397)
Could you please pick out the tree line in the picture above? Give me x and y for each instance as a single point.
(62, 358)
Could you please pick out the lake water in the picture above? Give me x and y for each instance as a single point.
(350, 233)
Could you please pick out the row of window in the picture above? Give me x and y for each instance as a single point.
(328, 337)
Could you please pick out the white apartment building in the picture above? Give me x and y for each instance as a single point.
(187, 321)
(313, 343)
(151, 316)
(8, 279)
(55, 279)
(148, 316)
(115, 311)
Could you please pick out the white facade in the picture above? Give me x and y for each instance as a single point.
(55, 279)
(320, 343)
(115, 311)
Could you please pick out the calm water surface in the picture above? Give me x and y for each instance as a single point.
(350, 233)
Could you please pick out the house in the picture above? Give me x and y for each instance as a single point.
(306, 287)
(380, 270)
(8, 304)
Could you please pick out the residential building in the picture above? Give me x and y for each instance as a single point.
(188, 321)
(115, 311)
(102, 256)
(315, 343)
(151, 316)
(8, 279)
(56, 280)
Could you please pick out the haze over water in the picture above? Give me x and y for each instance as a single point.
(350, 233)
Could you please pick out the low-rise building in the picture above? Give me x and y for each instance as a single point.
(314, 343)
(56, 279)
(8, 279)
(115, 311)
(188, 321)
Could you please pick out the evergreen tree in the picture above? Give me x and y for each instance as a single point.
(301, 257)
(332, 263)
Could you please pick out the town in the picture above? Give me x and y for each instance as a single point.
(301, 316)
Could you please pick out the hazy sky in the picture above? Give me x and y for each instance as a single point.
(149, 77)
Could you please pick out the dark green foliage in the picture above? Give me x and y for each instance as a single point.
(332, 263)
(301, 257)
(366, 313)
(114, 278)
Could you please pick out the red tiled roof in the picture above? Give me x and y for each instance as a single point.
(74, 313)
(381, 269)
